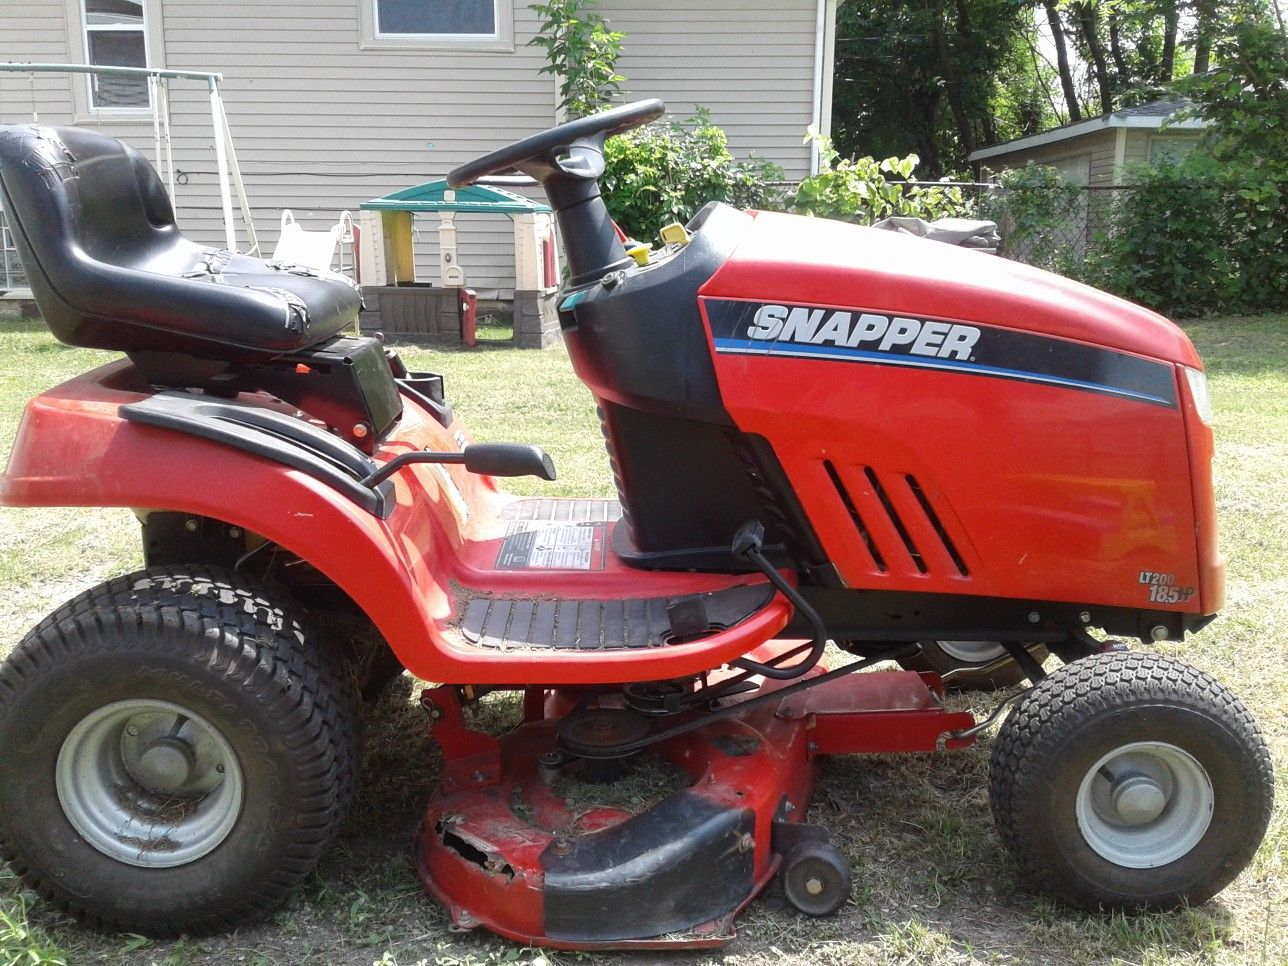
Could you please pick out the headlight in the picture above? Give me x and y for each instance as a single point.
(1199, 393)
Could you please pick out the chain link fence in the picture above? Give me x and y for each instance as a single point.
(1056, 230)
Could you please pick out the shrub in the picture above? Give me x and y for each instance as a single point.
(1197, 238)
(865, 190)
(666, 171)
(1210, 235)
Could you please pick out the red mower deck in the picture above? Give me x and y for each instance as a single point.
(501, 849)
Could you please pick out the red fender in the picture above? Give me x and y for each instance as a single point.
(74, 449)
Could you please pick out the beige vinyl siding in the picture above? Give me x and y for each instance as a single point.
(322, 123)
(1097, 148)
(750, 62)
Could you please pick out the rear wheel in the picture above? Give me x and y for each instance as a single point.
(179, 750)
(971, 665)
(1131, 781)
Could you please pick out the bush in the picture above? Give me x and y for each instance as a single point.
(1210, 235)
(865, 190)
(666, 171)
(1197, 238)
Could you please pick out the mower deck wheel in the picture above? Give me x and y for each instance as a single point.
(1131, 781)
(179, 751)
(816, 878)
(971, 665)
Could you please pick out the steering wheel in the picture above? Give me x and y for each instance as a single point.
(569, 152)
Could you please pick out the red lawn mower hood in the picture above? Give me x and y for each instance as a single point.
(790, 258)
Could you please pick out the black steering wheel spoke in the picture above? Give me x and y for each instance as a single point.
(568, 162)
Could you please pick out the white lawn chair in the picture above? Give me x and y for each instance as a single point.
(313, 249)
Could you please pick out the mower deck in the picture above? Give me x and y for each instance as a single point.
(504, 845)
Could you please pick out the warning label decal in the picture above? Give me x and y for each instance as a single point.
(553, 545)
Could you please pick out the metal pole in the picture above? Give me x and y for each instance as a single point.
(221, 165)
(247, 218)
(155, 101)
(164, 90)
(18, 67)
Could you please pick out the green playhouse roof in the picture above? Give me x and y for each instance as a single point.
(431, 196)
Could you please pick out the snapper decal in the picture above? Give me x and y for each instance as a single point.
(755, 328)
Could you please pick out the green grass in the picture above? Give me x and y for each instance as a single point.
(931, 882)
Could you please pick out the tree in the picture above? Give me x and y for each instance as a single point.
(922, 76)
(582, 52)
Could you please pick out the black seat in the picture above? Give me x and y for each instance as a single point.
(109, 269)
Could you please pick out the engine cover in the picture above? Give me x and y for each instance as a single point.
(953, 422)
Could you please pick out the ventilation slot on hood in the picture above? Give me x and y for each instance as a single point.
(853, 510)
(895, 519)
(938, 524)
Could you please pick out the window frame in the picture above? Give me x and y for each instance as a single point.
(500, 41)
(86, 111)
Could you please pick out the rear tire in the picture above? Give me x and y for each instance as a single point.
(179, 751)
(1131, 781)
(970, 665)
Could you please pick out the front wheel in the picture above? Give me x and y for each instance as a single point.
(971, 665)
(178, 751)
(1131, 781)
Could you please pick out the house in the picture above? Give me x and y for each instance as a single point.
(1097, 152)
(334, 102)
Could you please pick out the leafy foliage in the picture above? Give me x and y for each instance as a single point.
(925, 77)
(866, 190)
(666, 171)
(582, 52)
(1035, 207)
(1210, 234)
(1167, 246)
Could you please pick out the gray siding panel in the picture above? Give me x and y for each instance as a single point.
(322, 123)
(749, 62)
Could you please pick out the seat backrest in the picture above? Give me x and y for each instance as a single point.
(110, 269)
(71, 193)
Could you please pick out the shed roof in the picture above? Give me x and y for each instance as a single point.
(437, 196)
(1151, 115)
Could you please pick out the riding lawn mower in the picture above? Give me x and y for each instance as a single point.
(938, 466)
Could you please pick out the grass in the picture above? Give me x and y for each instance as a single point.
(931, 882)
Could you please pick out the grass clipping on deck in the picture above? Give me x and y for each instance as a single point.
(645, 781)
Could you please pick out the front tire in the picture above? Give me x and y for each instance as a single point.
(179, 751)
(1131, 781)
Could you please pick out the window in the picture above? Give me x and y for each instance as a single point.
(455, 25)
(116, 36)
(466, 19)
(1172, 149)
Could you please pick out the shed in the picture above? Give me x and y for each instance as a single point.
(410, 308)
(1096, 152)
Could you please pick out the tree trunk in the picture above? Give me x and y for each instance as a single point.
(1203, 17)
(1171, 21)
(965, 133)
(1062, 60)
(1116, 51)
(1088, 22)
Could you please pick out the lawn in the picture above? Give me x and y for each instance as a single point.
(931, 882)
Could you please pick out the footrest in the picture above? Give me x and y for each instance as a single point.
(529, 623)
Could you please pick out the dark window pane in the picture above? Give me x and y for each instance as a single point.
(436, 16)
(118, 48)
(126, 12)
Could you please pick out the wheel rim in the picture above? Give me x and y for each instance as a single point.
(149, 783)
(972, 652)
(1145, 804)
